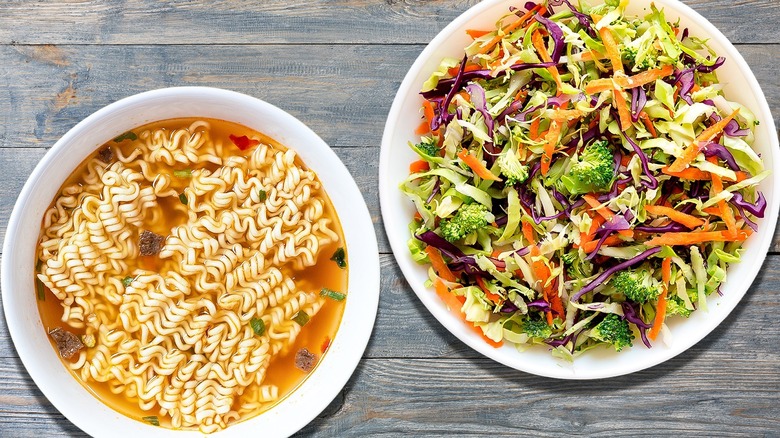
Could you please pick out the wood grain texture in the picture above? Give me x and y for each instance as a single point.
(297, 21)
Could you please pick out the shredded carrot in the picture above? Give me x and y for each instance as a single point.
(612, 49)
(605, 213)
(555, 301)
(419, 166)
(648, 123)
(694, 237)
(741, 176)
(453, 71)
(477, 166)
(563, 114)
(474, 34)
(660, 308)
(622, 106)
(624, 160)
(725, 212)
(645, 77)
(454, 304)
(591, 55)
(540, 47)
(490, 295)
(549, 147)
(534, 130)
(423, 128)
(677, 216)
(691, 173)
(694, 148)
(590, 246)
(599, 85)
(528, 233)
(509, 28)
(441, 268)
(450, 300)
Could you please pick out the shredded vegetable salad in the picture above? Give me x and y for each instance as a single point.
(581, 178)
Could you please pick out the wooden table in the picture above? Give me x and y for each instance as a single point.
(336, 66)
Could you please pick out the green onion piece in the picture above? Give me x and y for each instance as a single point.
(263, 195)
(183, 198)
(186, 173)
(301, 318)
(332, 294)
(152, 419)
(340, 258)
(127, 280)
(258, 326)
(39, 289)
(38, 283)
(129, 135)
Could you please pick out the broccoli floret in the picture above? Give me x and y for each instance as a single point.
(592, 171)
(537, 328)
(468, 219)
(428, 147)
(576, 267)
(613, 330)
(629, 55)
(676, 306)
(512, 169)
(638, 286)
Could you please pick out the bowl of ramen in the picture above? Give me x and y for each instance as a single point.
(190, 260)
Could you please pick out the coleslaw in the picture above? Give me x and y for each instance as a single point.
(581, 178)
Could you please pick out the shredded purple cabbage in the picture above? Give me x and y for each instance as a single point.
(555, 33)
(671, 227)
(732, 128)
(638, 102)
(757, 209)
(477, 94)
(447, 85)
(435, 191)
(653, 183)
(712, 149)
(608, 272)
(631, 315)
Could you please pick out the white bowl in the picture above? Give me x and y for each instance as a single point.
(21, 311)
(404, 117)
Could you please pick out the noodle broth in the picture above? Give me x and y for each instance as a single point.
(171, 212)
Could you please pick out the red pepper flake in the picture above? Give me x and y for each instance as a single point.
(325, 345)
(243, 142)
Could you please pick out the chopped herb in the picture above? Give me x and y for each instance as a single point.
(263, 195)
(127, 280)
(301, 318)
(129, 135)
(152, 419)
(340, 258)
(183, 198)
(332, 294)
(258, 326)
(39, 289)
(186, 173)
(756, 122)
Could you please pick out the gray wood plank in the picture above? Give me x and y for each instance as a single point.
(708, 393)
(282, 21)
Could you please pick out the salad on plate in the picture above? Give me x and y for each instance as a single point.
(581, 178)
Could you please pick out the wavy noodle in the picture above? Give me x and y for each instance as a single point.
(178, 340)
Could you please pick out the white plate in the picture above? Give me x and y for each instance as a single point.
(19, 302)
(397, 210)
